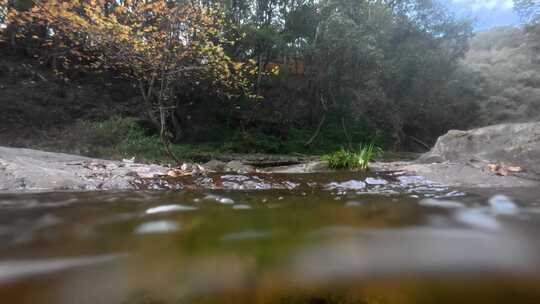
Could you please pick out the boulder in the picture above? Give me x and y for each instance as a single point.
(516, 144)
(238, 167)
(215, 165)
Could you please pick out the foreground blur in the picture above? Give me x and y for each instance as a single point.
(334, 240)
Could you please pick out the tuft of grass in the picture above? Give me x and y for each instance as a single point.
(353, 159)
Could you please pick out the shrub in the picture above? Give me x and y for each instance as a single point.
(117, 138)
(356, 160)
(114, 138)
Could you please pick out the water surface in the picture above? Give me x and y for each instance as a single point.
(325, 238)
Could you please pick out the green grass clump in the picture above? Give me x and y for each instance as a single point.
(353, 159)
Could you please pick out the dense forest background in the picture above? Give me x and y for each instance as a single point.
(265, 75)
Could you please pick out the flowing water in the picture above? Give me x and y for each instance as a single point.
(324, 238)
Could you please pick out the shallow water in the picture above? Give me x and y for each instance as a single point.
(324, 238)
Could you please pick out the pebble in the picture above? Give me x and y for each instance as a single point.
(219, 199)
(226, 201)
(502, 204)
(375, 181)
(349, 185)
(477, 218)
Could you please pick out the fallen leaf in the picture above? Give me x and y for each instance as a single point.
(502, 171)
(177, 173)
(493, 168)
(514, 169)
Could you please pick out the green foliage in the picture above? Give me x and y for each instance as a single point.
(529, 10)
(118, 138)
(504, 75)
(349, 159)
(376, 70)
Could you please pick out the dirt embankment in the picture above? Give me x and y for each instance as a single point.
(34, 102)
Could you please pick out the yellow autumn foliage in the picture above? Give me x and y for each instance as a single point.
(155, 42)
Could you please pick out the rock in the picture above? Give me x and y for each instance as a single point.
(375, 181)
(215, 165)
(238, 167)
(264, 160)
(310, 167)
(187, 167)
(515, 145)
(505, 155)
(458, 175)
(32, 170)
(477, 218)
(502, 204)
(219, 199)
(349, 185)
(252, 182)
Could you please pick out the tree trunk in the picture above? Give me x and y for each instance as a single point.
(12, 35)
(317, 131)
(163, 133)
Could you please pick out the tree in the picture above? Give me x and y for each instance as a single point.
(3, 11)
(9, 9)
(386, 61)
(529, 10)
(156, 43)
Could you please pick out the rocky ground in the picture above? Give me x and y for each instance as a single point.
(501, 156)
(32, 170)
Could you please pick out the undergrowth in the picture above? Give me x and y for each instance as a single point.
(353, 159)
(118, 138)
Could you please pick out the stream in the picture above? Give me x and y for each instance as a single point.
(319, 238)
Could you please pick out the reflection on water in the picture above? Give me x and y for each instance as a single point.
(330, 239)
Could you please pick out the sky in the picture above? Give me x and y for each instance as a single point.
(488, 13)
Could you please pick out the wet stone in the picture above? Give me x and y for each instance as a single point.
(375, 181)
(502, 204)
(349, 185)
